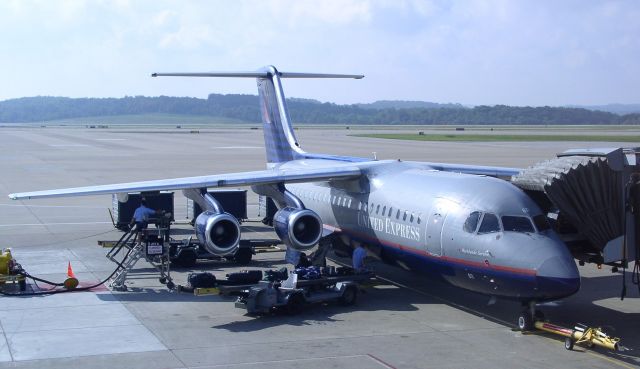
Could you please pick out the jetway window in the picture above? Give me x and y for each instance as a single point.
(517, 224)
(541, 222)
(489, 224)
(472, 221)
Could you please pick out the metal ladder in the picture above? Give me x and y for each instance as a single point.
(135, 250)
(133, 255)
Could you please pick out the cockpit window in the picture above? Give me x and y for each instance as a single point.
(541, 222)
(517, 224)
(489, 224)
(471, 223)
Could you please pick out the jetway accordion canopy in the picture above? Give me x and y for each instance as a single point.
(585, 189)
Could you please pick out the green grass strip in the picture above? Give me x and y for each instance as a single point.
(501, 138)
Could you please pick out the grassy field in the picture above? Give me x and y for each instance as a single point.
(145, 119)
(502, 137)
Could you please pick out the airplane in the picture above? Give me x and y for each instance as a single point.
(462, 223)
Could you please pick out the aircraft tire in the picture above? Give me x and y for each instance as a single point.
(295, 304)
(349, 296)
(243, 256)
(187, 258)
(525, 321)
(568, 343)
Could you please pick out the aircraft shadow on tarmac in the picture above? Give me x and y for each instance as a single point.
(583, 307)
(389, 299)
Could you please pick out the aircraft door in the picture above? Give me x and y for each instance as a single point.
(433, 239)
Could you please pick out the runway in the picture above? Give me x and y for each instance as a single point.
(407, 321)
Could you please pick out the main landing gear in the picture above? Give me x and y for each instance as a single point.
(529, 316)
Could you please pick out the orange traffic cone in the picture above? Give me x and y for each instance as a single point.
(70, 271)
(71, 282)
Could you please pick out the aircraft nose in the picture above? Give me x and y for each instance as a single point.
(558, 276)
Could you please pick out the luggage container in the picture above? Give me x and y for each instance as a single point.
(233, 202)
(156, 200)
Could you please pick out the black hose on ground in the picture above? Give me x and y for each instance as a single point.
(52, 292)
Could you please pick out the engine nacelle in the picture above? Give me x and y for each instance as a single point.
(219, 233)
(299, 229)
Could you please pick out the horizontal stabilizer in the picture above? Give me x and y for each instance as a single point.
(266, 72)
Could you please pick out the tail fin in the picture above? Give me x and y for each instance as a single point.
(280, 141)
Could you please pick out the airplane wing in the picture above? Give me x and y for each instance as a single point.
(274, 175)
(500, 172)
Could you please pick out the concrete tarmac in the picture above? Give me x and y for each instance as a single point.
(406, 321)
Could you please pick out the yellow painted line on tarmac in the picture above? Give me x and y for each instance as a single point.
(553, 338)
(611, 360)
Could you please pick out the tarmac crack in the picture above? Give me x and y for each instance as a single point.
(37, 217)
(6, 340)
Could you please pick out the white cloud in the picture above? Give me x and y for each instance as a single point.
(474, 51)
(326, 11)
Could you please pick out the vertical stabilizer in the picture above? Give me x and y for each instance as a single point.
(279, 139)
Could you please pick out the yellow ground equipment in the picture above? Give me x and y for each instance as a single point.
(582, 334)
(9, 270)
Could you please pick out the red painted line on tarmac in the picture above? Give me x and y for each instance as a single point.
(99, 288)
(380, 361)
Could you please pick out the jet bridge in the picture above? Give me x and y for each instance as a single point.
(592, 198)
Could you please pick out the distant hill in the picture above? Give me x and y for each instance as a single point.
(402, 104)
(612, 108)
(245, 108)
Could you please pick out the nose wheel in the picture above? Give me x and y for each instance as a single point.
(529, 316)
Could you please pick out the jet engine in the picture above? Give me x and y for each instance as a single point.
(218, 232)
(298, 228)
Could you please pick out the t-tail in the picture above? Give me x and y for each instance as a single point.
(279, 139)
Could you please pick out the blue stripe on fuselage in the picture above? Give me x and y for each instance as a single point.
(487, 280)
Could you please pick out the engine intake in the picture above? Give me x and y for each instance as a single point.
(299, 229)
(218, 232)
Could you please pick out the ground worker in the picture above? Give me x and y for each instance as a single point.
(359, 254)
(141, 216)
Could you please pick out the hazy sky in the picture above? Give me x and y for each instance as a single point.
(471, 52)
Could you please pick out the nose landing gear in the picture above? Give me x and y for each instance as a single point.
(529, 316)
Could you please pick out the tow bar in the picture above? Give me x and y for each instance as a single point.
(581, 334)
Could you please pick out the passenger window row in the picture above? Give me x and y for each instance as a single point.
(346, 202)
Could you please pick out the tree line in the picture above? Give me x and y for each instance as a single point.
(246, 108)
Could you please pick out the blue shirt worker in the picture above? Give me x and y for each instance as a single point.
(142, 214)
(358, 259)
